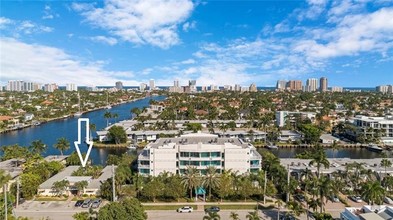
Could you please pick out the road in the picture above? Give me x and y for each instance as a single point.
(64, 211)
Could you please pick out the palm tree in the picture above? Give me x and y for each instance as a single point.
(107, 116)
(253, 215)
(234, 216)
(190, 179)
(92, 127)
(319, 158)
(212, 216)
(4, 177)
(279, 204)
(295, 207)
(325, 189)
(334, 148)
(373, 193)
(115, 116)
(80, 186)
(62, 144)
(211, 179)
(37, 147)
(386, 163)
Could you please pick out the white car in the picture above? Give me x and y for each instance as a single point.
(388, 200)
(185, 209)
(356, 199)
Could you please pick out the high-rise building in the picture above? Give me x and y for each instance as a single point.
(294, 85)
(337, 89)
(390, 88)
(323, 84)
(50, 87)
(119, 85)
(192, 85)
(15, 85)
(253, 88)
(152, 85)
(176, 83)
(312, 85)
(20, 86)
(281, 85)
(238, 87)
(142, 87)
(382, 88)
(71, 87)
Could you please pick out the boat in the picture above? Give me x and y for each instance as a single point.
(374, 148)
(272, 147)
(132, 147)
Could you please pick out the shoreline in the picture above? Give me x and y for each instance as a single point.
(65, 117)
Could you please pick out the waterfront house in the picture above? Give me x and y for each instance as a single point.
(289, 136)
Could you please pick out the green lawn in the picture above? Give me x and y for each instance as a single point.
(167, 207)
(50, 199)
(234, 207)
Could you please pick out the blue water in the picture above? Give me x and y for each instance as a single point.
(68, 128)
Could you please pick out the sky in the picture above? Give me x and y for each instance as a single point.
(216, 42)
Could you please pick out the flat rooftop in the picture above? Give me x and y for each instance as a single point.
(197, 138)
(12, 167)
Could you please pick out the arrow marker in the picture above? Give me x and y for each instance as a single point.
(88, 142)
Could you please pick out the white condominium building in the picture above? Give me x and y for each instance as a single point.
(372, 125)
(201, 150)
(286, 116)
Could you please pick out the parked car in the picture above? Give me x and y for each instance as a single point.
(287, 217)
(96, 203)
(356, 198)
(78, 203)
(212, 209)
(388, 200)
(300, 197)
(185, 209)
(334, 198)
(86, 203)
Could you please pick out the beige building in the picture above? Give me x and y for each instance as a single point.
(323, 84)
(201, 150)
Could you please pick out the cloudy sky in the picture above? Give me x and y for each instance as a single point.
(215, 42)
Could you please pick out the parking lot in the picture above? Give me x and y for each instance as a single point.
(61, 210)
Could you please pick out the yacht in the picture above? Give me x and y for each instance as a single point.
(374, 148)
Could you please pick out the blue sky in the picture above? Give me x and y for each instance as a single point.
(215, 42)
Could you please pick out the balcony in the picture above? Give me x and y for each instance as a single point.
(143, 166)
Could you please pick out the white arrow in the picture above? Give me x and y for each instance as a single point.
(88, 142)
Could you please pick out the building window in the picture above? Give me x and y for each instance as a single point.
(205, 154)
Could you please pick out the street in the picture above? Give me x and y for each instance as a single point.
(63, 210)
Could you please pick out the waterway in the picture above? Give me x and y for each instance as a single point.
(49, 132)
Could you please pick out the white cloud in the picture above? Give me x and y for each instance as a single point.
(48, 13)
(43, 64)
(189, 61)
(106, 40)
(354, 34)
(139, 22)
(29, 27)
(4, 22)
(189, 26)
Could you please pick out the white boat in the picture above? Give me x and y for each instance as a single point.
(132, 147)
(374, 148)
(272, 147)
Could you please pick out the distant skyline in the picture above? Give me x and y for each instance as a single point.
(213, 42)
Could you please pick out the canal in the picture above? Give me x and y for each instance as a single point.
(49, 132)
